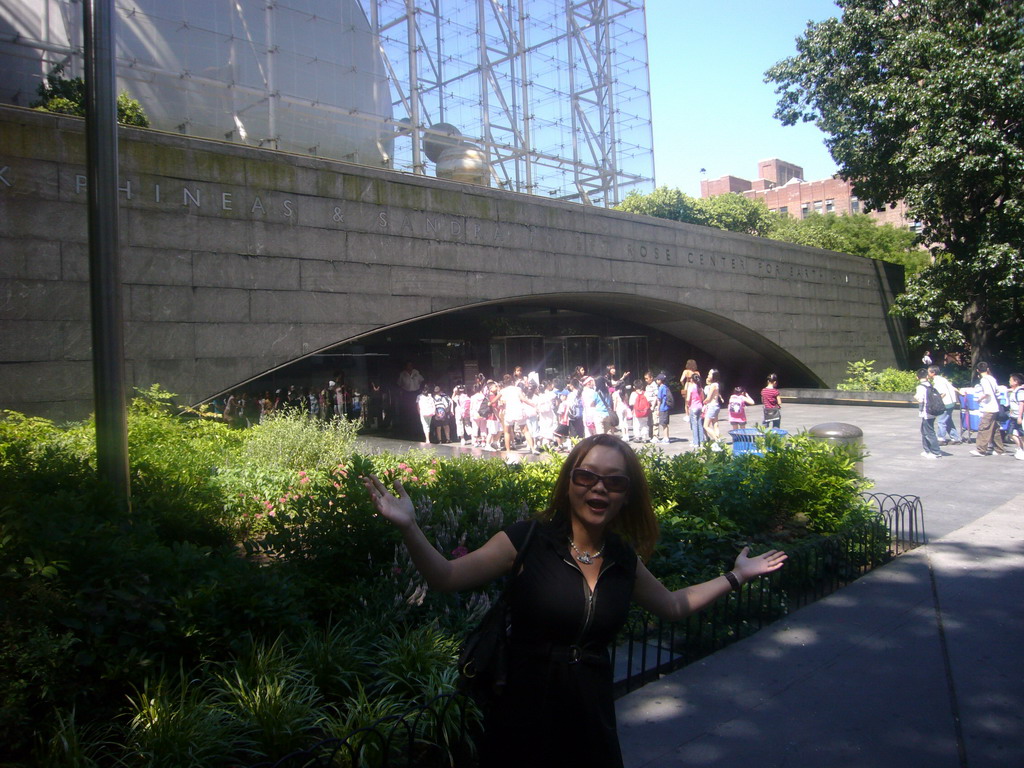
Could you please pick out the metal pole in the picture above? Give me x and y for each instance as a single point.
(104, 262)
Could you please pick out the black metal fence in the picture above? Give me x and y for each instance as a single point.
(651, 647)
(443, 731)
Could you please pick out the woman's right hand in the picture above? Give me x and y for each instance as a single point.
(397, 508)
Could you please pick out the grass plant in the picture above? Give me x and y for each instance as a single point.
(252, 566)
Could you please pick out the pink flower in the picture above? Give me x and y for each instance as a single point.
(271, 513)
(303, 480)
(459, 551)
(337, 485)
(283, 499)
(302, 473)
(268, 504)
(432, 472)
(414, 479)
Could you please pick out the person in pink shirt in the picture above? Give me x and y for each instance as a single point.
(738, 402)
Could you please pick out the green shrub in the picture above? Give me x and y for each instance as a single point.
(66, 96)
(253, 560)
(861, 377)
(175, 722)
(895, 380)
(272, 698)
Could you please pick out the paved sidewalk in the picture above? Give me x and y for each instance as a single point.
(918, 664)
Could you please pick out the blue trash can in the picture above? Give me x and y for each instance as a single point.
(743, 440)
(970, 414)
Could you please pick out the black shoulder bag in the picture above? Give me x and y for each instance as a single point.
(483, 660)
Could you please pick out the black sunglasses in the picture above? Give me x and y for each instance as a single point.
(587, 479)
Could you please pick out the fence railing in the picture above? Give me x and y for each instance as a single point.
(650, 647)
(443, 731)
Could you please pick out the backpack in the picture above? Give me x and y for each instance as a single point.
(465, 409)
(642, 406)
(576, 409)
(1015, 398)
(735, 406)
(485, 408)
(670, 400)
(441, 412)
(933, 405)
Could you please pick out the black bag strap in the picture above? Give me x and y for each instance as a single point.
(521, 554)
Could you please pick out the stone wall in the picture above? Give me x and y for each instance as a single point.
(238, 260)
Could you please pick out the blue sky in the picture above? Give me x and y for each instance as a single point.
(710, 106)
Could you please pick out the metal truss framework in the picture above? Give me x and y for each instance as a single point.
(554, 92)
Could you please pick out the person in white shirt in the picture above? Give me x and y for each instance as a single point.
(514, 401)
(988, 438)
(945, 428)
(425, 408)
(1015, 405)
(928, 440)
(651, 392)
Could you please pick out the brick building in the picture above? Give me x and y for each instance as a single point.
(783, 189)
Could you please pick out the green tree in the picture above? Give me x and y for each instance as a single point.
(662, 203)
(66, 96)
(858, 234)
(733, 213)
(923, 100)
(736, 213)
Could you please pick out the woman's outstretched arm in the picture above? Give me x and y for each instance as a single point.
(651, 594)
(483, 565)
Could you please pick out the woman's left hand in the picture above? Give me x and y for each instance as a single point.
(749, 568)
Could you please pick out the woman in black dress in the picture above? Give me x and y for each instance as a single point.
(581, 572)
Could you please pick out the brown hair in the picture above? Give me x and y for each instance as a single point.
(636, 522)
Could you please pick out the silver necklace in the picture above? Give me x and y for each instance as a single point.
(585, 557)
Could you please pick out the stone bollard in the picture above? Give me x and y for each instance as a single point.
(847, 436)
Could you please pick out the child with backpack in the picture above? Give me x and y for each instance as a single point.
(738, 402)
(641, 408)
(442, 415)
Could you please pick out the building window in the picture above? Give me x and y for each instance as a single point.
(804, 210)
(854, 205)
(830, 206)
(817, 206)
(784, 210)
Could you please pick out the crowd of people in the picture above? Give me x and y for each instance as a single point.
(1000, 413)
(523, 412)
(334, 400)
(520, 411)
